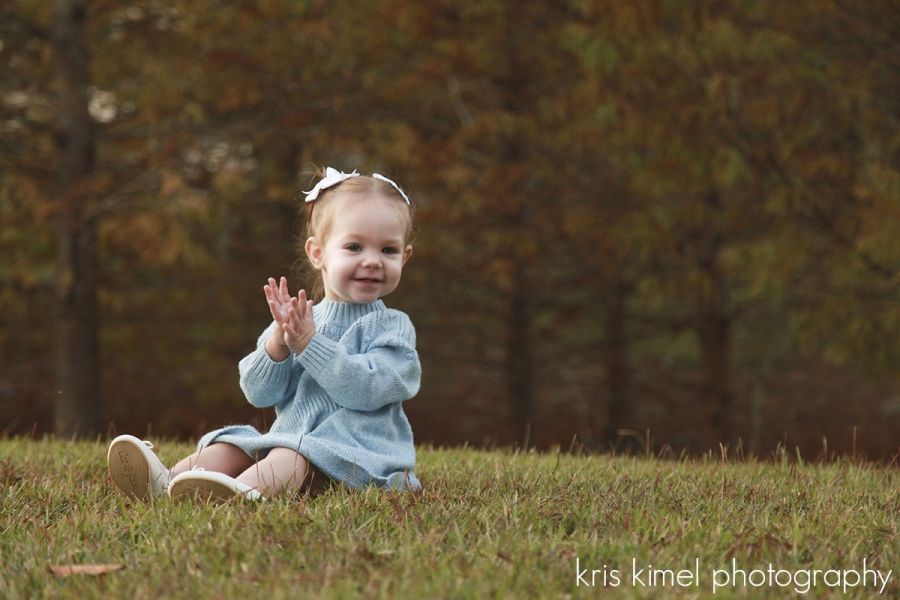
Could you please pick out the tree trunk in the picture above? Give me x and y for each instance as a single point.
(77, 399)
(714, 333)
(520, 357)
(713, 324)
(619, 409)
(715, 358)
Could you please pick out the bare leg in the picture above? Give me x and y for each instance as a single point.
(219, 457)
(283, 469)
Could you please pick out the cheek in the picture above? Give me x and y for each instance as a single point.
(341, 264)
(395, 267)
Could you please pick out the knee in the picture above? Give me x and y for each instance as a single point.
(286, 456)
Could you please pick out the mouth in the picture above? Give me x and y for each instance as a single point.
(367, 280)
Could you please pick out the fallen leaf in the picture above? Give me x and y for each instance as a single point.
(68, 570)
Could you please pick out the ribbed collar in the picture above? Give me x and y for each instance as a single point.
(343, 313)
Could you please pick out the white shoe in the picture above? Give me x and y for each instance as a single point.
(211, 485)
(136, 469)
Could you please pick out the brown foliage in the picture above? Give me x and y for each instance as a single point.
(630, 213)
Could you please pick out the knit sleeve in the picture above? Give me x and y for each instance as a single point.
(374, 364)
(264, 381)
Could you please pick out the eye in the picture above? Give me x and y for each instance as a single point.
(389, 250)
(354, 247)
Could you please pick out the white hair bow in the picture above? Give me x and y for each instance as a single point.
(334, 177)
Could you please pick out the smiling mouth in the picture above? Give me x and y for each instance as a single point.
(365, 280)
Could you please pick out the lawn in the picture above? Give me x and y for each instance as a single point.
(489, 524)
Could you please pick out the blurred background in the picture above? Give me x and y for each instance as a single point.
(669, 216)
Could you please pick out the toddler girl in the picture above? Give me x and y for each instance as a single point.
(337, 372)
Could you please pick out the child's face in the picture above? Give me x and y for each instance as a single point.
(363, 256)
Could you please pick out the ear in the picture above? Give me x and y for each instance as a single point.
(314, 252)
(407, 252)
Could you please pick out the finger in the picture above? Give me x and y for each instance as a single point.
(297, 313)
(299, 307)
(274, 293)
(293, 322)
(285, 294)
(304, 304)
(273, 308)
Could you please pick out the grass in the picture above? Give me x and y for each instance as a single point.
(496, 524)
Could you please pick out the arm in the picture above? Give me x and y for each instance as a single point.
(385, 371)
(265, 381)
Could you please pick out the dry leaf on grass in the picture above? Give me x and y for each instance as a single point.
(68, 570)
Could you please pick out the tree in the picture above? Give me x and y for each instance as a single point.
(702, 102)
(621, 202)
(849, 188)
(77, 406)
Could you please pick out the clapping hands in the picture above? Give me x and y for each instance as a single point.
(294, 326)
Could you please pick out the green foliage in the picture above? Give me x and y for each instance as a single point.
(488, 524)
(717, 161)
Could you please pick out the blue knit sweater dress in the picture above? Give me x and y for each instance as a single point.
(339, 402)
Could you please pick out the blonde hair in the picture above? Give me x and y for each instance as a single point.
(321, 213)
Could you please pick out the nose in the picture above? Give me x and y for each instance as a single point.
(372, 260)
